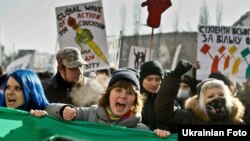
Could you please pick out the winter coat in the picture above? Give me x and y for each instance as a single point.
(148, 113)
(96, 114)
(57, 90)
(192, 114)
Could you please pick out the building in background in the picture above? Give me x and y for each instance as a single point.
(39, 62)
(244, 20)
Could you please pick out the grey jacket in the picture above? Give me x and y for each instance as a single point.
(96, 114)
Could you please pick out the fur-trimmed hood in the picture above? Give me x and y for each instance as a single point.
(235, 117)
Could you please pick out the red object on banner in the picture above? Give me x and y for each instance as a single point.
(205, 48)
(155, 9)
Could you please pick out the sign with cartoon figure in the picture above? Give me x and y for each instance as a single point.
(137, 56)
(224, 49)
(83, 26)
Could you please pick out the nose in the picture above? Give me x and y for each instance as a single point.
(156, 82)
(77, 72)
(123, 94)
(217, 96)
(181, 87)
(9, 92)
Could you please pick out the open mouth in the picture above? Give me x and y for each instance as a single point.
(120, 106)
(11, 100)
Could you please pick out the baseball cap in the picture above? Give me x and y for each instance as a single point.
(70, 57)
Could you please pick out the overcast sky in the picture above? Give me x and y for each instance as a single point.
(31, 24)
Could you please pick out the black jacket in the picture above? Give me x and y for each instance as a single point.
(57, 90)
(149, 117)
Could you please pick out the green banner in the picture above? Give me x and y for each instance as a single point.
(20, 125)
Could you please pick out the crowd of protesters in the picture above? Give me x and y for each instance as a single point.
(151, 99)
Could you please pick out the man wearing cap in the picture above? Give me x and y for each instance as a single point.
(69, 85)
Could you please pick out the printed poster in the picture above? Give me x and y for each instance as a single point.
(83, 26)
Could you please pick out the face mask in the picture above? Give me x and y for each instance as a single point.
(183, 93)
(217, 110)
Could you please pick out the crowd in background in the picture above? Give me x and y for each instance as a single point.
(154, 98)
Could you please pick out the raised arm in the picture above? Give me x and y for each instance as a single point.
(165, 101)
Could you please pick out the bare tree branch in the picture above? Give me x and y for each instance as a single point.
(204, 15)
(219, 12)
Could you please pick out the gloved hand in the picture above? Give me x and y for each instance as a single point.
(155, 9)
(181, 68)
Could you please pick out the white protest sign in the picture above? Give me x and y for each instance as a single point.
(137, 56)
(224, 49)
(114, 48)
(83, 26)
(177, 52)
(20, 63)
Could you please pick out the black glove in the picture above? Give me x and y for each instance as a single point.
(182, 67)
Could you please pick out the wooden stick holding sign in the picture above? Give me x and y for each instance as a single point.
(151, 45)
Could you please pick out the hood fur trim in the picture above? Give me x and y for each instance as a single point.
(235, 116)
